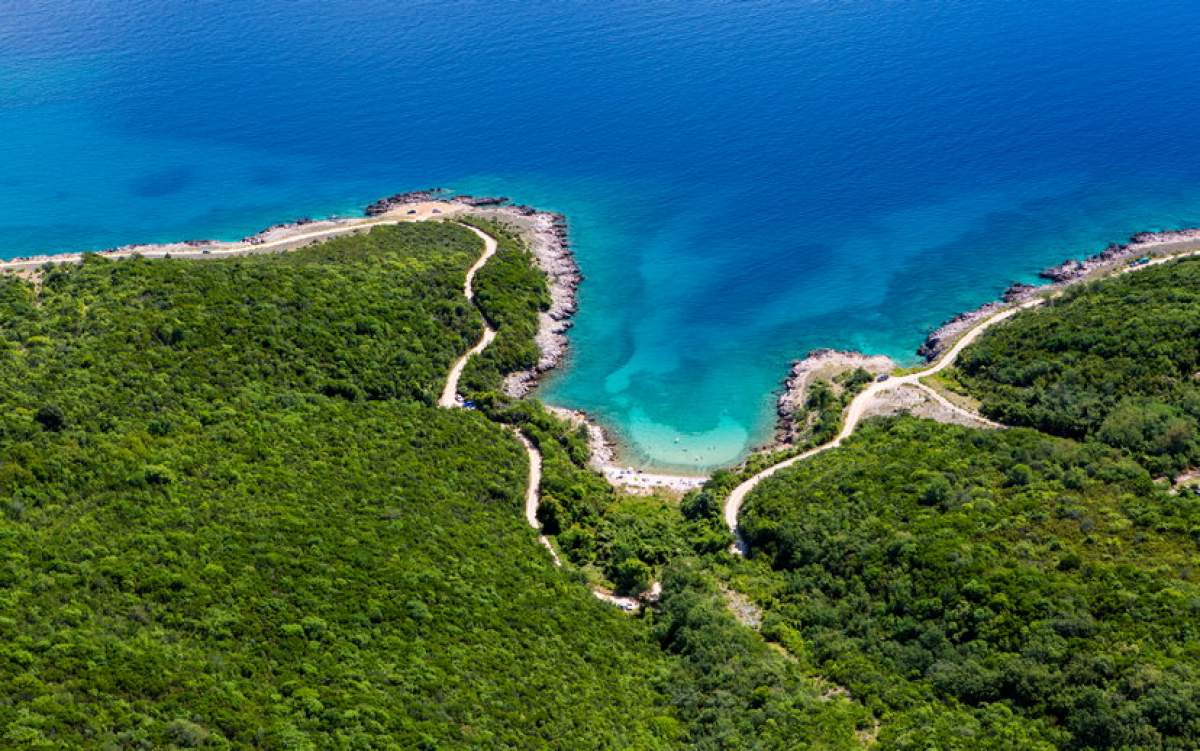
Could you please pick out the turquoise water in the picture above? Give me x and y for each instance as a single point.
(745, 181)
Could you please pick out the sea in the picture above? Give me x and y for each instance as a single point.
(745, 181)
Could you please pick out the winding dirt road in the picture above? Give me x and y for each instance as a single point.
(533, 493)
(450, 400)
(449, 397)
(854, 413)
(966, 413)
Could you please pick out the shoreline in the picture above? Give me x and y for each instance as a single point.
(547, 238)
(277, 238)
(818, 364)
(603, 453)
(1069, 272)
(1115, 258)
(545, 232)
(546, 235)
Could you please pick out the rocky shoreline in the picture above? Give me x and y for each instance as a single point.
(1071, 271)
(817, 364)
(547, 236)
(546, 233)
(602, 451)
(552, 251)
(548, 241)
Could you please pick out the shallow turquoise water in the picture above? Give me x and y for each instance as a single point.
(745, 181)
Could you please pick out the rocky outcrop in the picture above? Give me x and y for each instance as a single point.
(943, 336)
(1073, 269)
(384, 205)
(389, 203)
(272, 232)
(819, 363)
(480, 201)
(1139, 244)
(1150, 239)
(1018, 292)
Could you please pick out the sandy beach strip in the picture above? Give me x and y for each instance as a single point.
(602, 452)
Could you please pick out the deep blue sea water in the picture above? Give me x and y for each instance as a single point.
(745, 181)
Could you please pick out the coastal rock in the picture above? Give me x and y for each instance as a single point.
(272, 232)
(480, 201)
(1145, 239)
(1064, 271)
(1070, 271)
(1073, 269)
(384, 205)
(1018, 292)
(944, 335)
(819, 363)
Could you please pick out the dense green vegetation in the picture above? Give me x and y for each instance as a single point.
(372, 317)
(1115, 360)
(733, 689)
(826, 401)
(982, 589)
(624, 540)
(230, 516)
(510, 291)
(231, 519)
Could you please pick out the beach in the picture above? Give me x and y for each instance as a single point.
(603, 452)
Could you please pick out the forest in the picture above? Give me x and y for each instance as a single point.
(232, 517)
(987, 589)
(1027, 588)
(1115, 360)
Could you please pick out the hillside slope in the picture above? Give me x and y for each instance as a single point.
(987, 589)
(232, 518)
(1114, 360)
